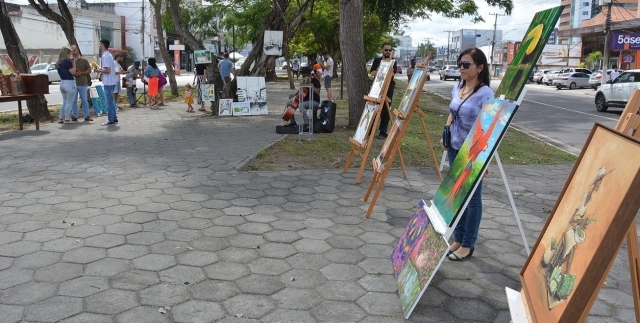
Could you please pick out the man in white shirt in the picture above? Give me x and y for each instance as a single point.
(327, 68)
(614, 73)
(109, 81)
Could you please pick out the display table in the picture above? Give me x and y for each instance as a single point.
(19, 98)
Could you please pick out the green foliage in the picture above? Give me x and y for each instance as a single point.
(246, 18)
(202, 21)
(593, 58)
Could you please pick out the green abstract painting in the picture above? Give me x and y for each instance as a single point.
(525, 59)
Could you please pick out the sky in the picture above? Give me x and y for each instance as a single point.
(521, 16)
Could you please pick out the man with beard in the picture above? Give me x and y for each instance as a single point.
(384, 119)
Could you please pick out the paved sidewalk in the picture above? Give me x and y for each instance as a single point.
(118, 224)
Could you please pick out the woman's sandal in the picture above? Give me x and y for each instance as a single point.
(453, 256)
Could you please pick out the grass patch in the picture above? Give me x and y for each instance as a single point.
(330, 151)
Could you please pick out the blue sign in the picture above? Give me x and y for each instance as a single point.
(624, 41)
(442, 50)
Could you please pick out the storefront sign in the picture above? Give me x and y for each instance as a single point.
(620, 41)
(628, 58)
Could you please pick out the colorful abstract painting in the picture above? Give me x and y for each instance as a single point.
(381, 79)
(474, 155)
(366, 121)
(416, 258)
(589, 222)
(413, 90)
(525, 59)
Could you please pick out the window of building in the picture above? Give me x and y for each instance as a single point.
(585, 13)
(106, 31)
(585, 4)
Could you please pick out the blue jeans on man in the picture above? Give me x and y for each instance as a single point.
(466, 231)
(131, 95)
(82, 92)
(110, 103)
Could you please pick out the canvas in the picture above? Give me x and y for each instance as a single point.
(474, 155)
(413, 90)
(241, 109)
(208, 92)
(225, 107)
(273, 42)
(366, 121)
(202, 56)
(525, 59)
(381, 78)
(587, 225)
(253, 90)
(385, 153)
(416, 258)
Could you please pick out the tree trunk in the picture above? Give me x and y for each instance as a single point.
(19, 57)
(157, 7)
(213, 72)
(352, 51)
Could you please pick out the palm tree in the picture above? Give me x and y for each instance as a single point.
(594, 59)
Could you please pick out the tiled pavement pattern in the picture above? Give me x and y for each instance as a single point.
(116, 224)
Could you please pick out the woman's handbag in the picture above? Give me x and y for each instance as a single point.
(446, 137)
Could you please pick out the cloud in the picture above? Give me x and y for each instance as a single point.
(520, 19)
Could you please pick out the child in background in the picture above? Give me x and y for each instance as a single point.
(188, 97)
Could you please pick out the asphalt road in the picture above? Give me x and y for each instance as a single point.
(563, 118)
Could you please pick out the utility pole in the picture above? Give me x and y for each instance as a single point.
(142, 31)
(493, 39)
(425, 50)
(448, 48)
(607, 36)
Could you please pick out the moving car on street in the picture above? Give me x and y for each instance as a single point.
(571, 80)
(616, 93)
(450, 72)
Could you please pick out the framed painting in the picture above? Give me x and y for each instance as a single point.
(416, 258)
(273, 42)
(382, 79)
(473, 158)
(225, 107)
(527, 56)
(385, 153)
(241, 108)
(366, 122)
(202, 56)
(575, 249)
(208, 92)
(413, 90)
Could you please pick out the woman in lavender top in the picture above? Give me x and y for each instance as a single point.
(468, 97)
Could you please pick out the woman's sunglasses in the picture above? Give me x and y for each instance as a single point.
(465, 64)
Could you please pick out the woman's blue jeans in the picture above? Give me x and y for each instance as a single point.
(466, 231)
(69, 93)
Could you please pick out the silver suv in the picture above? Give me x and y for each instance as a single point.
(450, 72)
(616, 93)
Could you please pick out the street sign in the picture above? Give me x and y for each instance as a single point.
(176, 47)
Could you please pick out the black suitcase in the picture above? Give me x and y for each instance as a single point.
(327, 118)
(286, 129)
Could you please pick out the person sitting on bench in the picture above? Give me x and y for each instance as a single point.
(306, 100)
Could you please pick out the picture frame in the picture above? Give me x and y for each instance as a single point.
(208, 92)
(382, 160)
(241, 109)
(225, 107)
(273, 42)
(413, 91)
(570, 260)
(202, 56)
(381, 80)
(252, 89)
(366, 122)
(473, 158)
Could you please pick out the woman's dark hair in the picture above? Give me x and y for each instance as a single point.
(152, 62)
(480, 60)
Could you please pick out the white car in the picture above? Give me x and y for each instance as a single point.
(616, 93)
(537, 76)
(450, 72)
(47, 69)
(571, 80)
(162, 68)
(547, 79)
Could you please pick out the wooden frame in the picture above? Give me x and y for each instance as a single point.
(562, 276)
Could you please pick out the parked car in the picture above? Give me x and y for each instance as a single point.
(450, 72)
(434, 68)
(616, 93)
(284, 65)
(574, 70)
(547, 79)
(571, 80)
(595, 79)
(47, 69)
(162, 68)
(537, 76)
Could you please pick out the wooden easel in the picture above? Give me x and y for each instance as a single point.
(629, 124)
(381, 167)
(362, 149)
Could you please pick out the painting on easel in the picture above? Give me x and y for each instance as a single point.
(412, 90)
(366, 121)
(473, 158)
(525, 59)
(416, 258)
(378, 81)
(570, 260)
(385, 153)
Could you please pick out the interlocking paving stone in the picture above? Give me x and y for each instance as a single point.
(28, 293)
(259, 284)
(135, 280)
(84, 255)
(111, 301)
(163, 295)
(37, 259)
(182, 275)
(214, 290)
(154, 262)
(13, 276)
(53, 309)
(250, 306)
(226, 271)
(19, 248)
(89, 317)
(128, 251)
(196, 311)
(143, 314)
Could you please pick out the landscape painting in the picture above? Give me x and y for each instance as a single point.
(473, 158)
(416, 258)
(413, 90)
(273, 42)
(202, 56)
(381, 81)
(241, 109)
(570, 260)
(534, 41)
(208, 92)
(366, 122)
